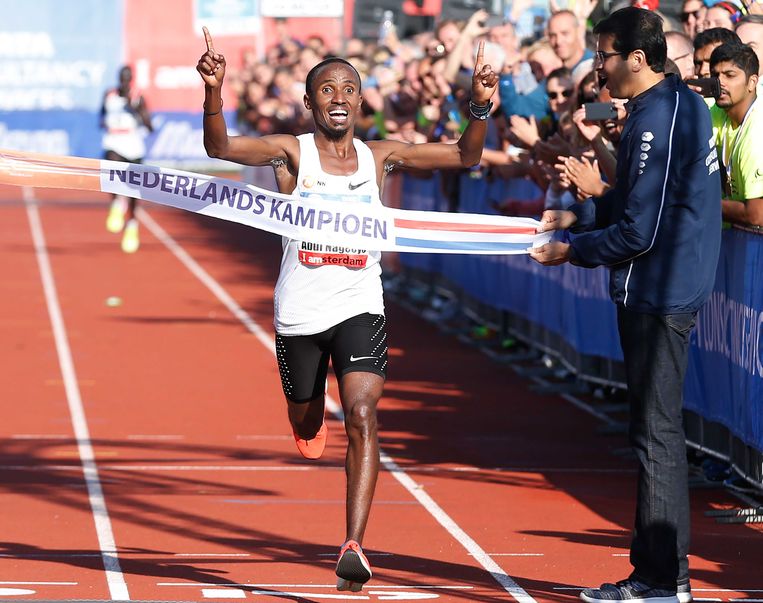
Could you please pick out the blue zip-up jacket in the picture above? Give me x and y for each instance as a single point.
(659, 228)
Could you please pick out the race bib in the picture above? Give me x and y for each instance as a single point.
(319, 254)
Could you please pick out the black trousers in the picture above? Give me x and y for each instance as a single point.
(655, 350)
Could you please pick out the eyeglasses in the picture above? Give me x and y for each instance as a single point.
(693, 13)
(602, 56)
(562, 94)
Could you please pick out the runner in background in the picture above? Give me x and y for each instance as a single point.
(125, 119)
(328, 299)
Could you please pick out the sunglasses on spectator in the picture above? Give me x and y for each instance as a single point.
(562, 94)
(693, 13)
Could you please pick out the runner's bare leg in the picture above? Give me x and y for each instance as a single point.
(360, 392)
(306, 417)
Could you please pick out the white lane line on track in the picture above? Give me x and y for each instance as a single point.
(212, 555)
(366, 553)
(114, 577)
(16, 592)
(516, 554)
(414, 489)
(223, 593)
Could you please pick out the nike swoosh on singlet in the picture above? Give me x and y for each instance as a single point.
(354, 186)
(354, 359)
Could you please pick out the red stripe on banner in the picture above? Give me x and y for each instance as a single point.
(484, 228)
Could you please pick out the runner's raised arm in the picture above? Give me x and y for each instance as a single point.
(468, 150)
(246, 150)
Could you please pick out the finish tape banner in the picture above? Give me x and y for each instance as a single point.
(341, 220)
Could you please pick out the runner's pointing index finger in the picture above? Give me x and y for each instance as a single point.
(208, 40)
(480, 56)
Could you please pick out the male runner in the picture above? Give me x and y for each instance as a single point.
(328, 300)
(125, 119)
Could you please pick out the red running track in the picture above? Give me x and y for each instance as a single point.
(146, 453)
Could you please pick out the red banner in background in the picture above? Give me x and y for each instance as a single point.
(163, 43)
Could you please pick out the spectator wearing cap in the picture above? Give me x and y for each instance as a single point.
(738, 121)
(750, 31)
(692, 16)
(564, 37)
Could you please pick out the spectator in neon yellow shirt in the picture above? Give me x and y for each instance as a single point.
(738, 123)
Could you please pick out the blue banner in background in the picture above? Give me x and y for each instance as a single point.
(56, 132)
(724, 380)
(62, 55)
(177, 139)
(569, 301)
(423, 194)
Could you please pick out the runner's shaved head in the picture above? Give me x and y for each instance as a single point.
(313, 73)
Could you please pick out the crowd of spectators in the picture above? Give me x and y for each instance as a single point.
(553, 126)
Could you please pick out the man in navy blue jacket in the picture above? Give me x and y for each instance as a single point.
(659, 231)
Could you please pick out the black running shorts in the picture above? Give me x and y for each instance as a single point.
(357, 344)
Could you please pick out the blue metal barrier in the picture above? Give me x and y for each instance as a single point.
(566, 310)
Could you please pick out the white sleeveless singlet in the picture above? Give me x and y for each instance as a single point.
(322, 285)
(124, 129)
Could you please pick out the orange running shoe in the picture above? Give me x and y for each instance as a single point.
(312, 449)
(352, 569)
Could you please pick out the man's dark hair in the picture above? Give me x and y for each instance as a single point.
(716, 35)
(739, 54)
(636, 29)
(313, 73)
